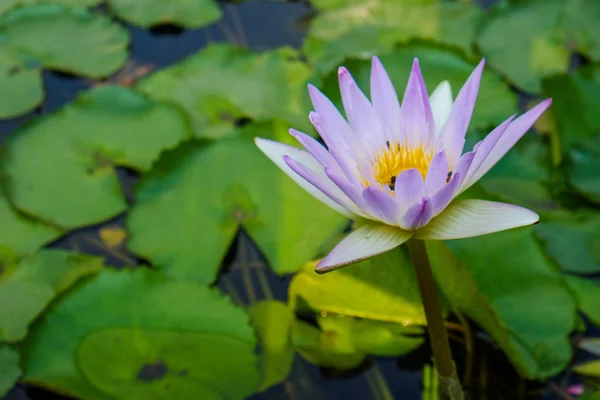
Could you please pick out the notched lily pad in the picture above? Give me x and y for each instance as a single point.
(61, 167)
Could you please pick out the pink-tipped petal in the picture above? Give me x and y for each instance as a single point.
(441, 105)
(277, 151)
(382, 204)
(456, 127)
(384, 99)
(511, 136)
(416, 118)
(409, 188)
(470, 218)
(366, 241)
(418, 215)
(437, 173)
(316, 149)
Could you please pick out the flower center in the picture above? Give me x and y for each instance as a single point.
(398, 157)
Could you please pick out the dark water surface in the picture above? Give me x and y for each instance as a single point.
(262, 25)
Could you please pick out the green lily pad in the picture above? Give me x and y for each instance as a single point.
(222, 83)
(9, 4)
(61, 167)
(494, 103)
(358, 29)
(26, 290)
(71, 40)
(273, 322)
(573, 240)
(575, 101)
(382, 288)
(20, 234)
(207, 191)
(186, 13)
(505, 284)
(9, 368)
(583, 171)
(136, 335)
(545, 33)
(22, 82)
(590, 368)
(587, 293)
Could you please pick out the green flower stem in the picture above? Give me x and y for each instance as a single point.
(436, 324)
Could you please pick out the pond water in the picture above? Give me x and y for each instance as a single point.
(262, 25)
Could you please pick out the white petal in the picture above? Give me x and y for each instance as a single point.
(471, 217)
(367, 241)
(441, 105)
(275, 151)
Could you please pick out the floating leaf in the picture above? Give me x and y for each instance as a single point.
(170, 340)
(590, 345)
(590, 368)
(191, 205)
(67, 39)
(273, 321)
(573, 240)
(20, 234)
(545, 33)
(383, 288)
(222, 83)
(587, 293)
(76, 150)
(112, 236)
(22, 82)
(9, 368)
(9, 4)
(495, 100)
(30, 287)
(505, 284)
(187, 13)
(355, 28)
(583, 171)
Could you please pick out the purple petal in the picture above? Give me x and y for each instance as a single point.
(318, 151)
(354, 192)
(444, 196)
(511, 136)
(409, 188)
(384, 98)
(382, 203)
(437, 174)
(366, 241)
(323, 184)
(416, 120)
(454, 132)
(418, 215)
(471, 217)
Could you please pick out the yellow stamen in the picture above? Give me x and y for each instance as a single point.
(397, 157)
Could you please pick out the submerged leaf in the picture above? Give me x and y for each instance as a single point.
(27, 289)
(504, 283)
(207, 191)
(174, 340)
(61, 168)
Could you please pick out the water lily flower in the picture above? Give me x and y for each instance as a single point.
(396, 169)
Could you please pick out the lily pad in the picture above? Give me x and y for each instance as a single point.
(587, 293)
(359, 29)
(207, 191)
(71, 40)
(171, 340)
(222, 83)
(534, 39)
(186, 13)
(9, 368)
(20, 234)
(583, 171)
(24, 84)
(26, 290)
(61, 167)
(273, 322)
(505, 284)
(590, 368)
(495, 101)
(573, 240)
(10, 4)
(383, 288)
